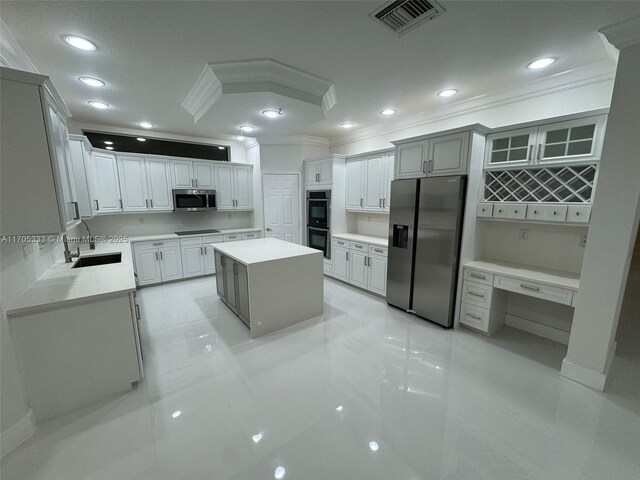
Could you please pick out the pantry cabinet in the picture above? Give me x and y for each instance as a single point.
(368, 184)
(433, 156)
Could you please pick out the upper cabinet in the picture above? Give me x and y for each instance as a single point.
(318, 172)
(105, 171)
(204, 175)
(368, 183)
(145, 184)
(234, 189)
(571, 141)
(84, 178)
(34, 145)
(158, 173)
(433, 156)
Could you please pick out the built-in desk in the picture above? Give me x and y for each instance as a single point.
(486, 284)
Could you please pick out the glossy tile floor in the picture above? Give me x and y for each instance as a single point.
(368, 392)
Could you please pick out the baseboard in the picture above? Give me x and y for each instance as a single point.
(539, 329)
(585, 376)
(17, 434)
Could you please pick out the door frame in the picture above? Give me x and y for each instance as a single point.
(301, 219)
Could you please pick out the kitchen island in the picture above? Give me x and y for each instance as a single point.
(269, 283)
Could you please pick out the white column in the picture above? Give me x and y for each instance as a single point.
(614, 222)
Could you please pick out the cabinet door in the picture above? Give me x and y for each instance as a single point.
(133, 184)
(209, 260)
(515, 147)
(159, 184)
(358, 271)
(147, 267)
(182, 174)
(374, 175)
(243, 186)
(81, 178)
(574, 141)
(388, 178)
(107, 182)
(170, 264)
(224, 189)
(410, 160)
(378, 274)
(355, 184)
(311, 172)
(449, 155)
(219, 267)
(325, 171)
(92, 184)
(230, 282)
(204, 175)
(192, 260)
(242, 292)
(341, 264)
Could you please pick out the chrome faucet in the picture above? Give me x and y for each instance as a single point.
(92, 241)
(68, 255)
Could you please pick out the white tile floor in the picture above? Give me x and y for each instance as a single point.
(369, 392)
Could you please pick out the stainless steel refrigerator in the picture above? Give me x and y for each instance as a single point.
(425, 229)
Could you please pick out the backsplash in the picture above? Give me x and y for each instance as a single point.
(152, 223)
(376, 225)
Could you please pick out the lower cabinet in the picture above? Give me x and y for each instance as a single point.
(359, 273)
(341, 263)
(192, 259)
(233, 285)
(157, 262)
(377, 274)
(358, 266)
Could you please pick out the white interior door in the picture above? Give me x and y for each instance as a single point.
(282, 207)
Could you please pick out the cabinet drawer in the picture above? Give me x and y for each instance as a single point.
(485, 210)
(517, 212)
(478, 276)
(375, 250)
(501, 210)
(363, 247)
(579, 213)
(232, 237)
(556, 213)
(340, 243)
(534, 289)
(478, 294)
(250, 235)
(212, 239)
(157, 244)
(536, 212)
(327, 268)
(476, 317)
(191, 241)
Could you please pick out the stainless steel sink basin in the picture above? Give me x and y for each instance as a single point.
(94, 260)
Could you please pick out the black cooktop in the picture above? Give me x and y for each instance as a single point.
(197, 232)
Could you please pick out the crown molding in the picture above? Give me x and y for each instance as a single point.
(257, 76)
(295, 140)
(12, 54)
(624, 34)
(250, 143)
(597, 72)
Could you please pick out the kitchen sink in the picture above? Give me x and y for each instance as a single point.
(94, 260)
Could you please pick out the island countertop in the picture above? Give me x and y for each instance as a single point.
(260, 250)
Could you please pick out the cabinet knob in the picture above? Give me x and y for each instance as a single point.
(515, 211)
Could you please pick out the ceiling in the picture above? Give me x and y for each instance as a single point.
(151, 54)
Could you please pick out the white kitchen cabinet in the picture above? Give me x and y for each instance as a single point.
(107, 183)
(341, 263)
(192, 260)
(155, 262)
(377, 276)
(83, 177)
(410, 160)
(182, 174)
(170, 263)
(579, 213)
(368, 186)
(358, 271)
(147, 266)
(158, 175)
(374, 179)
(448, 155)
(234, 190)
(390, 166)
(204, 175)
(355, 184)
(133, 183)
(209, 258)
(319, 172)
(224, 191)
(511, 148)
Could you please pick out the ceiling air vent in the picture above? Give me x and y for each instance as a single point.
(403, 16)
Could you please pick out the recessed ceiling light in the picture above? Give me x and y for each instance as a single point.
(176, 414)
(257, 437)
(108, 142)
(79, 42)
(388, 111)
(92, 82)
(541, 63)
(109, 148)
(374, 446)
(271, 113)
(347, 125)
(450, 92)
(146, 124)
(240, 137)
(99, 105)
(247, 128)
(141, 139)
(279, 473)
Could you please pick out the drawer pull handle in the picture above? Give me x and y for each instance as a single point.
(475, 317)
(378, 250)
(476, 295)
(340, 243)
(529, 287)
(476, 275)
(155, 244)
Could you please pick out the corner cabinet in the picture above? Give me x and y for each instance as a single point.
(433, 156)
(368, 183)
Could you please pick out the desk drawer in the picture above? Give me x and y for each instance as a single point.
(478, 276)
(373, 250)
(477, 294)
(476, 317)
(534, 289)
(340, 243)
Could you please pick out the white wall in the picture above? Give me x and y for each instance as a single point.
(370, 224)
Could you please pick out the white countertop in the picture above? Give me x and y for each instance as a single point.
(173, 236)
(556, 278)
(263, 250)
(356, 237)
(62, 285)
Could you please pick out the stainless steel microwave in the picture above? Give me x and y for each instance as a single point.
(193, 200)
